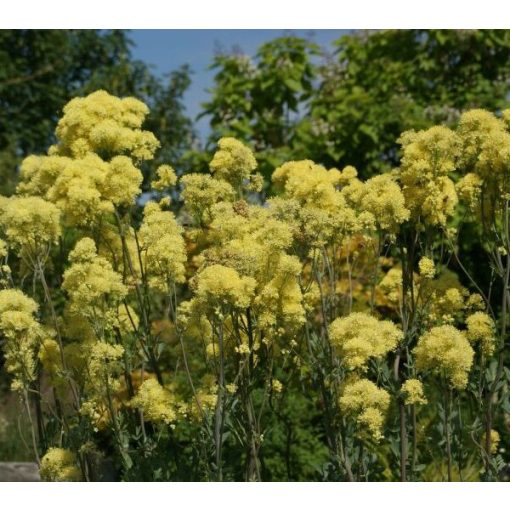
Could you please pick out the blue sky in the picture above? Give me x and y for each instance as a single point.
(168, 49)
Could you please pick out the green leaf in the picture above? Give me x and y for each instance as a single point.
(293, 85)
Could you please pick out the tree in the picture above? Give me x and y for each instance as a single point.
(385, 82)
(40, 70)
(260, 100)
(351, 109)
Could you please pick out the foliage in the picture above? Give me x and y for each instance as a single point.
(40, 70)
(350, 106)
(317, 335)
(260, 99)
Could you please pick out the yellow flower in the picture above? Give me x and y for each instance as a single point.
(218, 285)
(122, 181)
(127, 319)
(22, 334)
(367, 403)
(276, 386)
(93, 167)
(429, 157)
(104, 362)
(391, 285)
(359, 337)
(94, 288)
(481, 328)
(309, 183)
(167, 178)
(231, 388)
(200, 192)
(50, 357)
(30, 224)
(469, 188)
(495, 439)
(446, 350)
(59, 465)
(162, 247)
(485, 144)
(233, 162)
(382, 197)
(103, 123)
(427, 268)
(156, 402)
(412, 390)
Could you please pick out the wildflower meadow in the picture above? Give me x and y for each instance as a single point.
(248, 321)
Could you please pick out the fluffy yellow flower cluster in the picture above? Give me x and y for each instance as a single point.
(469, 188)
(156, 402)
(445, 350)
(218, 286)
(427, 268)
(91, 169)
(445, 298)
(254, 243)
(104, 363)
(200, 192)
(359, 337)
(428, 157)
(309, 183)
(412, 390)
(233, 162)
(243, 268)
(382, 197)
(94, 288)
(368, 404)
(485, 157)
(60, 465)
(166, 178)
(265, 281)
(481, 329)
(314, 206)
(281, 297)
(103, 366)
(84, 189)
(162, 247)
(30, 224)
(51, 360)
(495, 439)
(485, 143)
(104, 124)
(391, 286)
(22, 336)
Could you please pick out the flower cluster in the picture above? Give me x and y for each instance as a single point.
(194, 330)
(368, 404)
(412, 390)
(481, 329)
(92, 168)
(60, 465)
(427, 268)
(31, 225)
(445, 350)
(22, 335)
(359, 337)
(94, 288)
(428, 158)
(233, 162)
(162, 247)
(156, 402)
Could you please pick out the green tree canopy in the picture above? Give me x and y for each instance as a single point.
(260, 100)
(40, 70)
(385, 82)
(350, 106)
